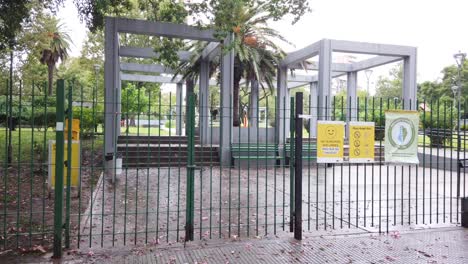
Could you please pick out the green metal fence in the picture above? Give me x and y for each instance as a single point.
(172, 187)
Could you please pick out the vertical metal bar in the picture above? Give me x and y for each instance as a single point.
(148, 154)
(127, 128)
(59, 140)
(32, 166)
(69, 165)
(189, 225)
(18, 191)
(284, 165)
(341, 174)
(444, 159)
(365, 166)
(158, 190)
(275, 149)
(248, 168)
(292, 164)
(266, 172)
(451, 167)
(430, 167)
(230, 171)
(211, 180)
(44, 146)
(388, 170)
(191, 94)
(424, 166)
(179, 165)
(239, 173)
(298, 169)
(437, 160)
(139, 165)
(373, 167)
(5, 179)
(81, 169)
(417, 176)
(357, 174)
(309, 165)
(380, 179)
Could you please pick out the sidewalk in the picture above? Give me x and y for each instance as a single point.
(442, 245)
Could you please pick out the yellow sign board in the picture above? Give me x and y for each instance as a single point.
(75, 164)
(330, 141)
(361, 142)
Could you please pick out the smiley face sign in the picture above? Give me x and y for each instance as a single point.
(331, 131)
(330, 141)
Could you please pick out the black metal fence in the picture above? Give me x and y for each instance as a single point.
(171, 179)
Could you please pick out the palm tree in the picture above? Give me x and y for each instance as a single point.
(256, 53)
(56, 50)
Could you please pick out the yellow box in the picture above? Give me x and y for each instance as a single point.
(75, 129)
(75, 164)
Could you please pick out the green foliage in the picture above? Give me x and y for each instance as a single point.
(391, 87)
(441, 116)
(89, 118)
(134, 100)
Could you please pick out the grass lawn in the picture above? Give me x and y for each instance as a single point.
(28, 143)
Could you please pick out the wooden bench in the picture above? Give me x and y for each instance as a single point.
(255, 151)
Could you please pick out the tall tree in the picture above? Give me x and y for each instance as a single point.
(57, 49)
(256, 52)
(391, 87)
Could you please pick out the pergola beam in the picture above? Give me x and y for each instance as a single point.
(148, 53)
(163, 29)
(210, 51)
(155, 79)
(313, 66)
(300, 55)
(370, 48)
(149, 68)
(374, 62)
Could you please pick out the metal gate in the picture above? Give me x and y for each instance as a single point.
(171, 185)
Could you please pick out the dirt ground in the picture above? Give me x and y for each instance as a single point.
(27, 205)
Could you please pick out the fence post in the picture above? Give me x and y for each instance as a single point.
(59, 143)
(190, 169)
(68, 164)
(291, 166)
(298, 169)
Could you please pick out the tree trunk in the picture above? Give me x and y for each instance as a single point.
(235, 95)
(50, 71)
(253, 104)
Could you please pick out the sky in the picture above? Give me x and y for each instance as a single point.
(435, 27)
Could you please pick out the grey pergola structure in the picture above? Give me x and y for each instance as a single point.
(113, 75)
(320, 84)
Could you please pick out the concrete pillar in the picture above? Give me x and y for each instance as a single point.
(409, 81)
(227, 80)
(179, 103)
(203, 105)
(283, 107)
(324, 77)
(253, 104)
(313, 109)
(111, 95)
(351, 97)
